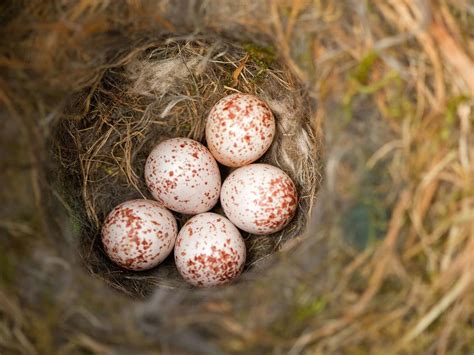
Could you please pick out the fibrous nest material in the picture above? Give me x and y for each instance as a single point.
(161, 89)
(385, 262)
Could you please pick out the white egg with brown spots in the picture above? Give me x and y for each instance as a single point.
(239, 129)
(259, 198)
(183, 175)
(139, 234)
(209, 250)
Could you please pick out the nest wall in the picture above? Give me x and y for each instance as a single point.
(163, 88)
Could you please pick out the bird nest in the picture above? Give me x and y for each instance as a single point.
(158, 89)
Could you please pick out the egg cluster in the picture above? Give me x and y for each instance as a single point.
(183, 176)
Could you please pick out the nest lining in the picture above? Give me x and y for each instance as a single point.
(162, 89)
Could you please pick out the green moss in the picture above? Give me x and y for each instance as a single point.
(362, 72)
(377, 85)
(263, 56)
(259, 76)
(449, 122)
(310, 309)
(285, 11)
(111, 171)
(452, 108)
(361, 85)
(76, 225)
(228, 80)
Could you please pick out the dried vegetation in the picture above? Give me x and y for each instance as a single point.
(386, 262)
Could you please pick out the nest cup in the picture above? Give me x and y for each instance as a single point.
(161, 89)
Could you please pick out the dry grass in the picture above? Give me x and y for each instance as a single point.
(164, 89)
(393, 82)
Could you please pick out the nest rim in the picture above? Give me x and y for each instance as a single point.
(230, 64)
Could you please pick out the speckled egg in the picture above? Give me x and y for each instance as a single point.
(139, 234)
(209, 250)
(259, 198)
(183, 175)
(239, 130)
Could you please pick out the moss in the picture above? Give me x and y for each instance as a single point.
(378, 85)
(451, 116)
(109, 170)
(263, 56)
(364, 68)
(399, 107)
(259, 77)
(310, 309)
(306, 305)
(452, 107)
(361, 84)
(228, 80)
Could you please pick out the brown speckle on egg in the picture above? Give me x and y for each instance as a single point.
(259, 198)
(183, 175)
(139, 234)
(219, 255)
(239, 129)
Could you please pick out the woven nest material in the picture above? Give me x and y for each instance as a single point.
(165, 88)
